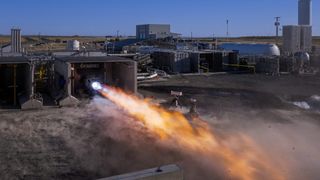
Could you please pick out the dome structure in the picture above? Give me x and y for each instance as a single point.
(303, 56)
(252, 49)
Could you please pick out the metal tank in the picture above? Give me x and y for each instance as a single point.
(252, 49)
(73, 45)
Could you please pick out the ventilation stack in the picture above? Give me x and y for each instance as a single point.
(16, 46)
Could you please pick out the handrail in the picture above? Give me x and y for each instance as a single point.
(239, 65)
(205, 68)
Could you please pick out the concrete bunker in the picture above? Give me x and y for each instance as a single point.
(74, 74)
(17, 83)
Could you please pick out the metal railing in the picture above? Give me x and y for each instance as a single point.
(239, 65)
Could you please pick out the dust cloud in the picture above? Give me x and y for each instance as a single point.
(289, 145)
(100, 140)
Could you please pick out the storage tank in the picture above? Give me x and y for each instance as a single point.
(73, 45)
(302, 56)
(252, 49)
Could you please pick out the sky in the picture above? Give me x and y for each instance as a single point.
(204, 18)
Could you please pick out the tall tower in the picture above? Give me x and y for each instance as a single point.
(305, 12)
(16, 40)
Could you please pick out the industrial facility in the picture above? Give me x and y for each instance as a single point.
(62, 77)
(108, 96)
(31, 81)
(154, 31)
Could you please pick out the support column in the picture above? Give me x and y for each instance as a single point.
(30, 102)
(15, 85)
(69, 100)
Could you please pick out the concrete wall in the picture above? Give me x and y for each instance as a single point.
(29, 80)
(64, 69)
(172, 61)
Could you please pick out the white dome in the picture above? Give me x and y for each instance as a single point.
(304, 56)
(252, 49)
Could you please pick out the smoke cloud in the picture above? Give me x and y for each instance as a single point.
(100, 139)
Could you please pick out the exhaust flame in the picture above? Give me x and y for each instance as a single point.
(239, 157)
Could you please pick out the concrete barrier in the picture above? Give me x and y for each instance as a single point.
(31, 104)
(69, 101)
(169, 172)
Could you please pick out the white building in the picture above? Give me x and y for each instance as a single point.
(153, 31)
(305, 10)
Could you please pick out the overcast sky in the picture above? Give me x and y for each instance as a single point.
(105, 17)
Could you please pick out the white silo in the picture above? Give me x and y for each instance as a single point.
(306, 38)
(73, 45)
(305, 12)
(291, 39)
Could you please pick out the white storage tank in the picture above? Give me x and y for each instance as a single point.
(252, 49)
(306, 38)
(73, 45)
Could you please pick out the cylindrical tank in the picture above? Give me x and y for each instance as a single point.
(302, 56)
(73, 45)
(252, 49)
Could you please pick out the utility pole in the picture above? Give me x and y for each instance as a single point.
(228, 29)
(277, 24)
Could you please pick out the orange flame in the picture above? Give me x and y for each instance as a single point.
(244, 161)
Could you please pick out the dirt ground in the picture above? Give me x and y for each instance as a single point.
(281, 114)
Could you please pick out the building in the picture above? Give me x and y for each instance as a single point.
(16, 82)
(31, 82)
(79, 71)
(305, 12)
(186, 61)
(252, 49)
(297, 38)
(153, 31)
(211, 61)
(172, 61)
